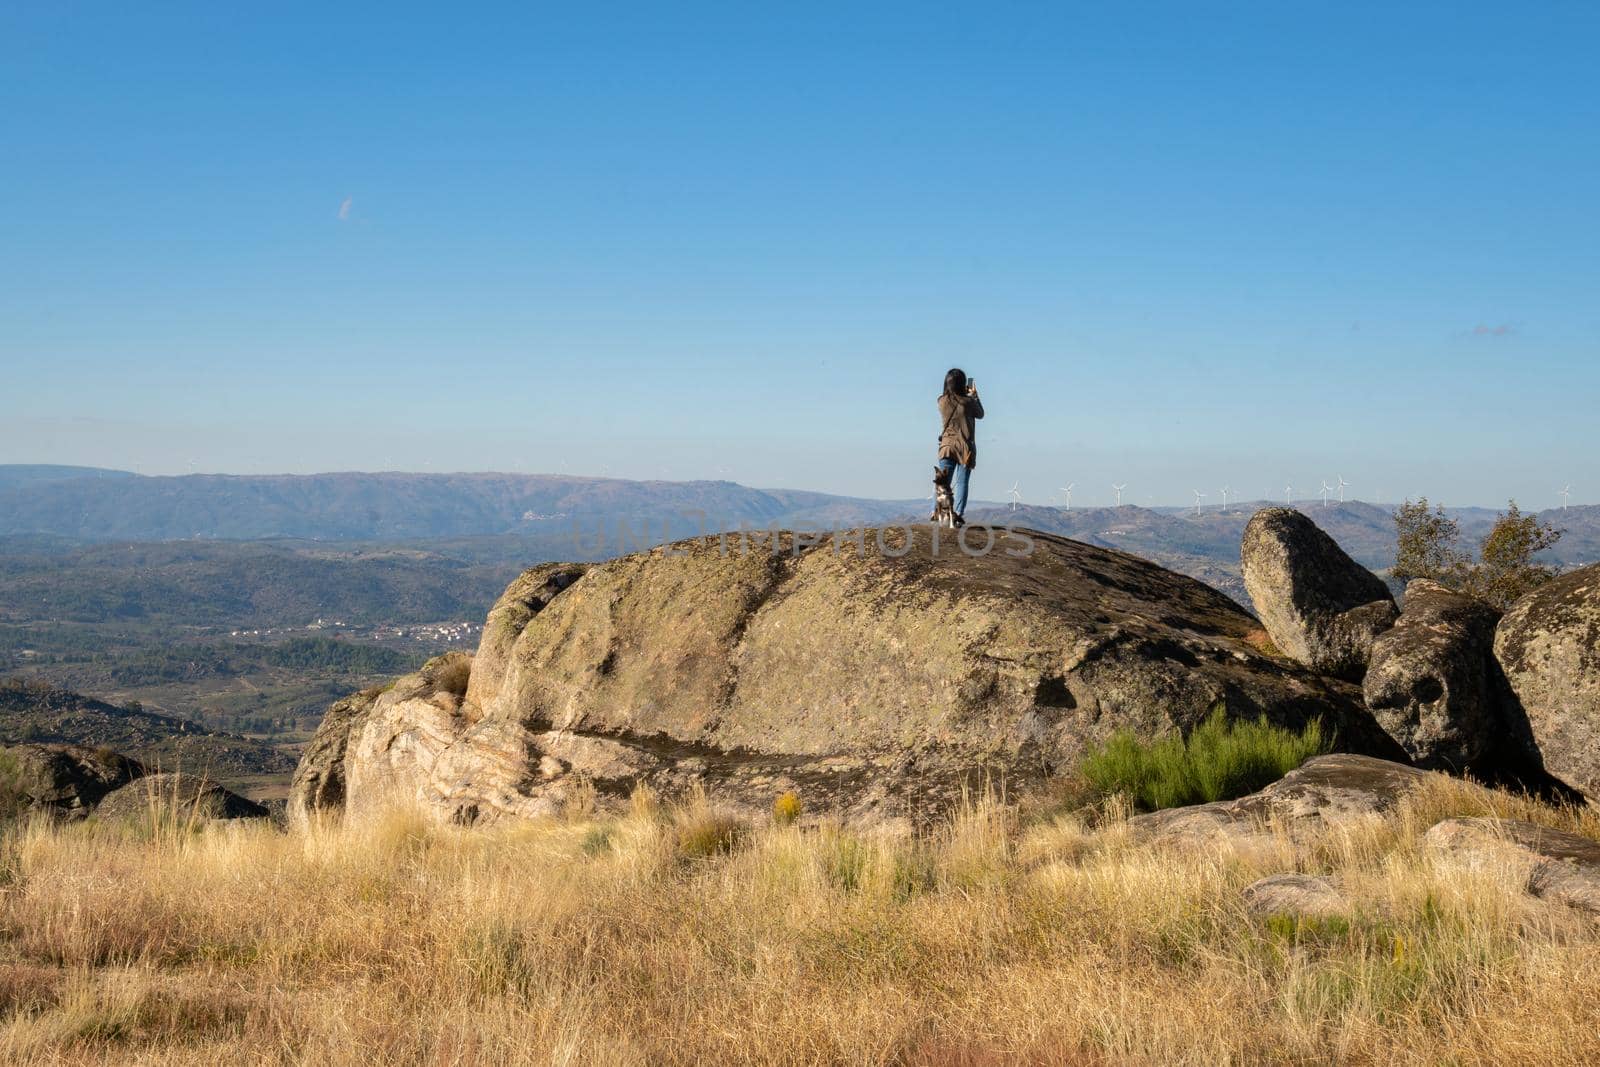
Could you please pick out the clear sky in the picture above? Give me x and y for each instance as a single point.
(1178, 245)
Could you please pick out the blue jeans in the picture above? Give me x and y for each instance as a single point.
(958, 482)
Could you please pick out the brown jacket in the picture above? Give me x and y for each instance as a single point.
(957, 436)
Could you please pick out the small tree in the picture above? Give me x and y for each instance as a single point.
(1505, 569)
(1427, 545)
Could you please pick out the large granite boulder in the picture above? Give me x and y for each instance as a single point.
(876, 673)
(176, 796)
(394, 747)
(64, 780)
(1548, 646)
(1431, 682)
(1319, 606)
(319, 780)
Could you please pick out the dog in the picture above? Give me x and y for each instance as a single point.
(944, 500)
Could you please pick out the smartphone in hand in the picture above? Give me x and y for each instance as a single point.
(972, 387)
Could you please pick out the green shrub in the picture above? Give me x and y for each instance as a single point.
(1219, 760)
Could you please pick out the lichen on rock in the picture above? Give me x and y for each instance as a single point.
(875, 685)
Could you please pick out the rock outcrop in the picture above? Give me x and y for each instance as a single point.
(319, 780)
(1319, 606)
(64, 780)
(873, 675)
(177, 796)
(1295, 894)
(1323, 791)
(1548, 646)
(1552, 864)
(1431, 682)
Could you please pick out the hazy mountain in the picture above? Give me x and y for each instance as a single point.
(434, 522)
(385, 506)
(18, 475)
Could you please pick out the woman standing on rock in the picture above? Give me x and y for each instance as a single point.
(959, 408)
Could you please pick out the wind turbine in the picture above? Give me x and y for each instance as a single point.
(1288, 490)
(1016, 495)
(1566, 492)
(1325, 490)
(1066, 490)
(1119, 489)
(1225, 490)
(1342, 484)
(1198, 496)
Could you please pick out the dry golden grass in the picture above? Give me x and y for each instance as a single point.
(668, 936)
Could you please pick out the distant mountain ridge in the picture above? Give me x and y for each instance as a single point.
(505, 519)
(391, 506)
(98, 504)
(16, 475)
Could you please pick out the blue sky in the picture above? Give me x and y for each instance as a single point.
(1179, 245)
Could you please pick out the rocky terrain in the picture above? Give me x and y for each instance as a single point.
(880, 684)
(883, 683)
(898, 689)
(75, 782)
(34, 712)
(1330, 795)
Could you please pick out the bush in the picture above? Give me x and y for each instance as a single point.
(1506, 569)
(1219, 760)
(787, 808)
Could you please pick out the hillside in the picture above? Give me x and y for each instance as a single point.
(32, 711)
(238, 584)
(524, 518)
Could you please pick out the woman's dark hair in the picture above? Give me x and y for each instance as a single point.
(955, 382)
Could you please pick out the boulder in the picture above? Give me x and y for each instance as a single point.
(178, 796)
(392, 749)
(875, 673)
(1324, 791)
(1319, 606)
(62, 779)
(1553, 864)
(319, 780)
(1430, 682)
(1295, 894)
(1548, 647)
